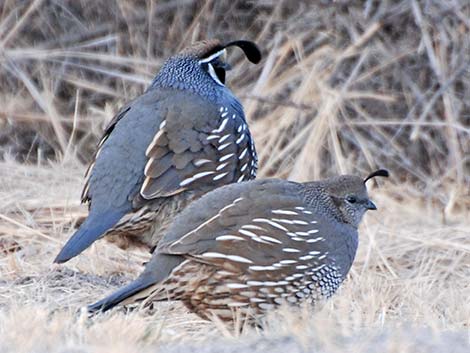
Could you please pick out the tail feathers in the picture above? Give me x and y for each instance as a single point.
(93, 228)
(157, 270)
(132, 289)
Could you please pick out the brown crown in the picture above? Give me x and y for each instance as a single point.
(203, 48)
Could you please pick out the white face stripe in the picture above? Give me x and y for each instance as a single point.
(212, 57)
(214, 75)
(210, 67)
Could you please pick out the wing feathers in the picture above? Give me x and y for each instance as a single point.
(187, 155)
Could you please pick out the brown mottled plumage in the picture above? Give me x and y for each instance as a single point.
(252, 246)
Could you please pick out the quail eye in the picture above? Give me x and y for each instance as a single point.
(351, 199)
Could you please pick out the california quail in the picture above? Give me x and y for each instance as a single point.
(254, 245)
(183, 137)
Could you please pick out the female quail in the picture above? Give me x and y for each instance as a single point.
(185, 136)
(255, 245)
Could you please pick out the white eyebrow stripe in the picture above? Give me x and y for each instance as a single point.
(212, 57)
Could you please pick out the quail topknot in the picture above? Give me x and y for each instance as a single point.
(252, 246)
(183, 137)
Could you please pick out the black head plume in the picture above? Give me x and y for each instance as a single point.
(381, 173)
(250, 49)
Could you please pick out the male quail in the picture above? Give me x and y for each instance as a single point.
(183, 137)
(254, 245)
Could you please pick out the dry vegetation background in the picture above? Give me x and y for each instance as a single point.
(344, 86)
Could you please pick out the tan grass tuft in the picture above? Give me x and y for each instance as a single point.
(344, 87)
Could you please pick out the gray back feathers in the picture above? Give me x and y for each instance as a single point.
(184, 136)
(275, 209)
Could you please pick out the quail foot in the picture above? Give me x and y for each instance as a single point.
(183, 137)
(251, 246)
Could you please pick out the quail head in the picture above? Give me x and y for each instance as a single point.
(184, 136)
(251, 246)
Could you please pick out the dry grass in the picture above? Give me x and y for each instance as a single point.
(412, 270)
(342, 88)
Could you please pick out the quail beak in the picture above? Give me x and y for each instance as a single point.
(222, 65)
(226, 66)
(219, 62)
(370, 205)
